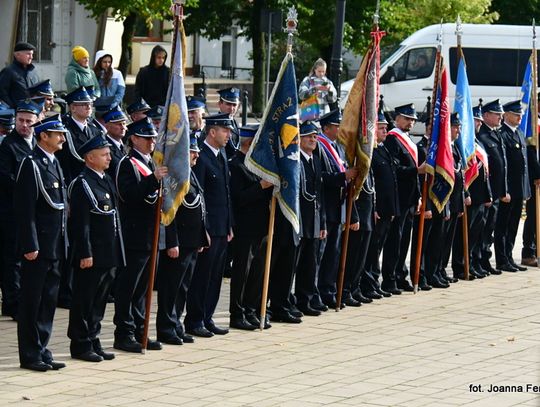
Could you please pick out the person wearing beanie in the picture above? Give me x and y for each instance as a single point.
(79, 72)
(111, 82)
(21, 74)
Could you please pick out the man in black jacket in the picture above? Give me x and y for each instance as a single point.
(115, 123)
(152, 80)
(212, 172)
(186, 236)
(41, 211)
(15, 147)
(250, 199)
(16, 78)
(97, 249)
(137, 182)
(518, 187)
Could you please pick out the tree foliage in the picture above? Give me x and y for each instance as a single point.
(513, 13)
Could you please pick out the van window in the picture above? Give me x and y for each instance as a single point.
(491, 67)
(414, 64)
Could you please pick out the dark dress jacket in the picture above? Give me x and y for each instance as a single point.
(496, 150)
(455, 202)
(480, 188)
(41, 226)
(188, 228)
(386, 184)
(12, 151)
(516, 159)
(365, 204)
(334, 185)
(116, 156)
(213, 176)
(312, 204)
(94, 220)
(250, 201)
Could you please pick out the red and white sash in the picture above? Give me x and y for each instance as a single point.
(141, 167)
(406, 142)
(482, 156)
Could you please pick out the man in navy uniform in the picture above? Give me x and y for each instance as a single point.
(212, 172)
(43, 90)
(97, 249)
(137, 182)
(313, 220)
(41, 212)
(490, 137)
(335, 178)
(250, 199)
(15, 147)
(229, 101)
(518, 187)
(7, 121)
(116, 125)
(186, 236)
(137, 110)
(195, 107)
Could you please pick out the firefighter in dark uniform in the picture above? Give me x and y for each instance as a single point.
(490, 138)
(43, 90)
(15, 147)
(97, 249)
(137, 182)
(250, 199)
(137, 110)
(186, 236)
(195, 107)
(386, 210)
(313, 220)
(115, 123)
(335, 179)
(229, 101)
(212, 172)
(405, 155)
(518, 187)
(41, 212)
(7, 121)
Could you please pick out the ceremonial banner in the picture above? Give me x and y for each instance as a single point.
(463, 107)
(358, 128)
(526, 103)
(440, 161)
(274, 154)
(172, 148)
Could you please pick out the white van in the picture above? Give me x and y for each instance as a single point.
(496, 56)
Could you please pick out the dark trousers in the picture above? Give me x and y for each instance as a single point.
(243, 280)
(282, 274)
(330, 250)
(414, 246)
(506, 229)
(392, 249)
(173, 280)
(129, 300)
(449, 230)
(203, 294)
(487, 233)
(306, 272)
(370, 280)
(10, 265)
(401, 268)
(529, 228)
(434, 247)
(91, 288)
(357, 250)
(477, 221)
(39, 290)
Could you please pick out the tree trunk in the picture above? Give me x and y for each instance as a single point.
(127, 35)
(259, 58)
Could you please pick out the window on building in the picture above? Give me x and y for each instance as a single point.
(145, 33)
(226, 47)
(35, 26)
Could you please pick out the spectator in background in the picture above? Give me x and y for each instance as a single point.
(111, 82)
(16, 78)
(317, 83)
(79, 72)
(153, 79)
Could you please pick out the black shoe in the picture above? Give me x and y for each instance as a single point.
(170, 340)
(200, 331)
(216, 330)
(105, 355)
(495, 272)
(475, 274)
(295, 312)
(36, 366)
(65, 304)
(358, 296)
(425, 286)
(451, 280)
(128, 344)
(404, 285)
(242, 323)
(461, 276)
(110, 299)
(151, 344)
(372, 295)
(187, 338)
(352, 302)
(88, 356)
(253, 320)
(488, 267)
(384, 293)
(437, 283)
(285, 317)
(520, 268)
(56, 365)
(307, 310)
(319, 307)
(392, 290)
(507, 267)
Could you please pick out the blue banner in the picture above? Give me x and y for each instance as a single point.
(526, 91)
(274, 154)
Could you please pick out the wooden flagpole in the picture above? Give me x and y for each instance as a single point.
(427, 178)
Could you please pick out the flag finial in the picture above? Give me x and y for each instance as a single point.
(440, 37)
(290, 29)
(534, 33)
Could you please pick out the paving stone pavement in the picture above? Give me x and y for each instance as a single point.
(438, 348)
